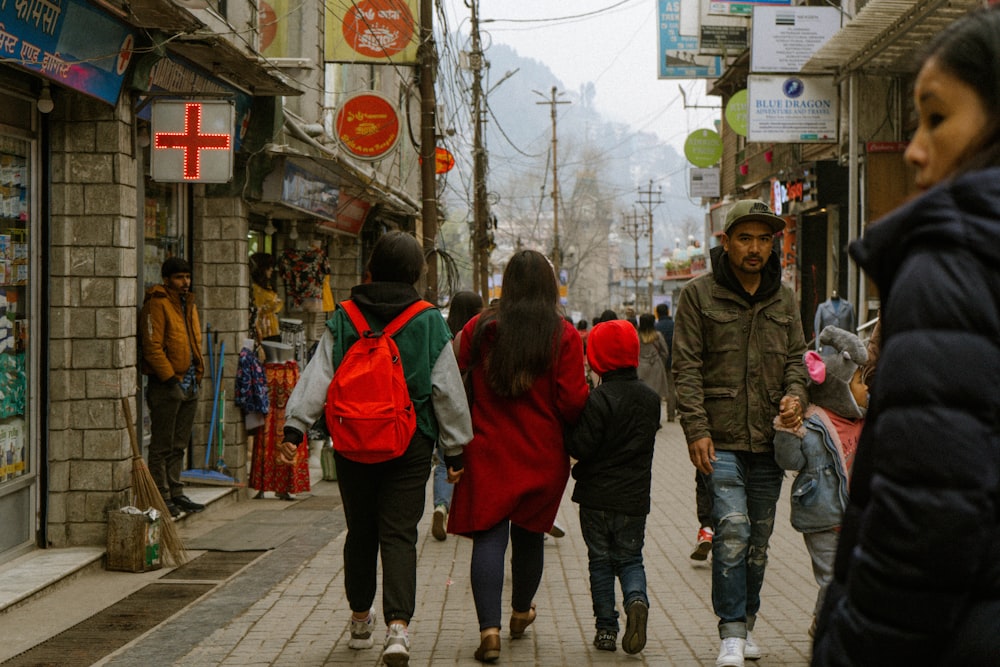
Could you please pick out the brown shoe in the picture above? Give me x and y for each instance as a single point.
(519, 625)
(489, 649)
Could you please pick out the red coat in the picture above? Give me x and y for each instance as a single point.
(516, 466)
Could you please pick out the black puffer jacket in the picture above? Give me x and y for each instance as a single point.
(614, 444)
(917, 579)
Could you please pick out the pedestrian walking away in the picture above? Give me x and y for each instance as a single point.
(383, 502)
(916, 578)
(613, 444)
(738, 346)
(528, 383)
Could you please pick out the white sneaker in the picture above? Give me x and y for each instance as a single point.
(361, 632)
(397, 646)
(438, 529)
(751, 651)
(731, 652)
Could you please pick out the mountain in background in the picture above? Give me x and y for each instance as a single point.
(602, 166)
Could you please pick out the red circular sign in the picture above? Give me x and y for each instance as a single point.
(444, 161)
(378, 28)
(367, 126)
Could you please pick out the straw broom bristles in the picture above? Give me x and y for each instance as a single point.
(146, 495)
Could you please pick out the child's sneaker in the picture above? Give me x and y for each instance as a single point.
(606, 640)
(634, 639)
(704, 544)
(397, 646)
(361, 632)
(751, 650)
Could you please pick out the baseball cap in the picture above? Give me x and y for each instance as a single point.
(753, 210)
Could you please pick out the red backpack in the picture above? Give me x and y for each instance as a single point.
(368, 408)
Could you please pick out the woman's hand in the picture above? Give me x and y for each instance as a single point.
(287, 453)
(455, 475)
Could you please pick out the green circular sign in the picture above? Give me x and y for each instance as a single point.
(703, 148)
(736, 113)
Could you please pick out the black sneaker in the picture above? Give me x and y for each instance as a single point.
(174, 510)
(606, 640)
(634, 639)
(187, 504)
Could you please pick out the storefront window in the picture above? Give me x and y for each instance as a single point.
(163, 230)
(14, 274)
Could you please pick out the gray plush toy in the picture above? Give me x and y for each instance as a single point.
(830, 372)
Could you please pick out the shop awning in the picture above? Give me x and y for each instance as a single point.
(885, 35)
(217, 55)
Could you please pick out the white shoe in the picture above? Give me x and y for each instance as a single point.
(361, 632)
(731, 652)
(438, 529)
(397, 646)
(751, 651)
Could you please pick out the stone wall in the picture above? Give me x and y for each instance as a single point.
(92, 317)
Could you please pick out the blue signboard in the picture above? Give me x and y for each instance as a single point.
(677, 54)
(69, 42)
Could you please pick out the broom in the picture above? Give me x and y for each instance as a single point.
(146, 495)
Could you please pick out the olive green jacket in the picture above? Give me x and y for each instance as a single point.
(733, 361)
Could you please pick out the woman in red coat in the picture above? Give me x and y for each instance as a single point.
(528, 383)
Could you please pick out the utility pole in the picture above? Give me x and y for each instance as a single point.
(634, 230)
(428, 141)
(555, 181)
(480, 212)
(649, 204)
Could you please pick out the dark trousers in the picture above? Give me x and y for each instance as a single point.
(702, 500)
(171, 416)
(527, 558)
(614, 550)
(383, 503)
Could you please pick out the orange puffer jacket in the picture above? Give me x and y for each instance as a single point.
(170, 335)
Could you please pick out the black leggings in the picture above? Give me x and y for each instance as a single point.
(527, 558)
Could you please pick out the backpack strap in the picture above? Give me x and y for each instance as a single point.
(404, 317)
(392, 328)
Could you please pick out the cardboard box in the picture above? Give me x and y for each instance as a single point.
(133, 541)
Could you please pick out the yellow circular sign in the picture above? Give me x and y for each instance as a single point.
(703, 148)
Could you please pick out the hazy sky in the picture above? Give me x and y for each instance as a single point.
(609, 42)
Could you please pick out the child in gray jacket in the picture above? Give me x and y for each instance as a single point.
(822, 449)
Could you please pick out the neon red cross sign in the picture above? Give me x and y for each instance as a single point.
(192, 141)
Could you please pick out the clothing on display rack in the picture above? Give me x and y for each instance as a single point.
(266, 474)
(303, 272)
(835, 312)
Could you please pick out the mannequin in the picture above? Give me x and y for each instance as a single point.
(836, 312)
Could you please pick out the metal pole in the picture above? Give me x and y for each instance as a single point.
(481, 253)
(649, 204)
(428, 177)
(555, 181)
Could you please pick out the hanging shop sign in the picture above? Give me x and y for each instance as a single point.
(703, 148)
(740, 7)
(192, 141)
(69, 42)
(382, 31)
(792, 109)
(736, 112)
(785, 38)
(677, 53)
(305, 185)
(704, 183)
(444, 161)
(367, 126)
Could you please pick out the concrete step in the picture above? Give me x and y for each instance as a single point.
(43, 570)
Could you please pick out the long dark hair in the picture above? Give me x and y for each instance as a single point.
(397, 257)
(463, 307)
(969, 49)
(260, 262)
(528, 325)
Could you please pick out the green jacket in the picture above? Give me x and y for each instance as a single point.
(733, 360)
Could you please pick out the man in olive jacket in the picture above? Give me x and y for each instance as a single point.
(170, 335)
(737, 363)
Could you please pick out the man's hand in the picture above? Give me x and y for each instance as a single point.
(790, 412)
(455, 475)
(702, 453)
(287, 453)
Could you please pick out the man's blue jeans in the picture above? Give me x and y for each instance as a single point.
(745, 489)
(614, 548)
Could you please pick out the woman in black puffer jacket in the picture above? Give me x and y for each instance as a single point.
(917, 579)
